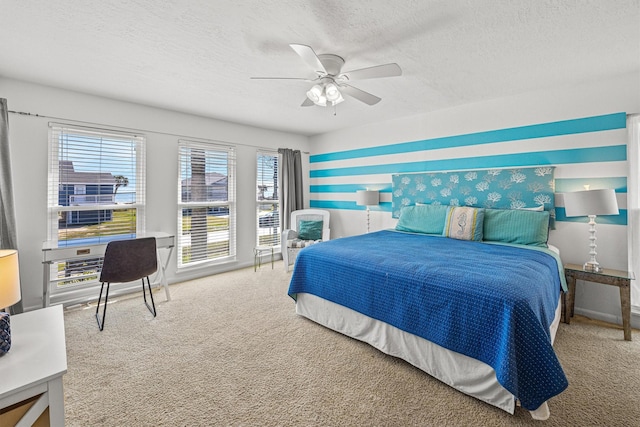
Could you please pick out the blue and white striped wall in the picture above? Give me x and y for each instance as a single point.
(585, 150)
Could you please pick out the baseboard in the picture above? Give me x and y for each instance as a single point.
(609, 318)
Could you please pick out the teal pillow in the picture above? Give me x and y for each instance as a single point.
(516, 226)
(310, 230)
(464, 223)
(428, 219)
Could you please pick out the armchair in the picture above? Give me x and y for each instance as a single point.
(294, 239)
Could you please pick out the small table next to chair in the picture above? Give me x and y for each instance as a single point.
(257, 255)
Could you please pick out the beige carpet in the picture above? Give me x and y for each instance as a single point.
(230, 350)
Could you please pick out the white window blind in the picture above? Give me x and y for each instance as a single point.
(206, 203)
(96, 193)
(267, 199)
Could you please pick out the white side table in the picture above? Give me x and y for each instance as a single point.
(35, 364)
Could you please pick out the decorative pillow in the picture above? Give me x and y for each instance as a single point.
(516, 226)
(464, 223)
(310, 230)
(428, 219)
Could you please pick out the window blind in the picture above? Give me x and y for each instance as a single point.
(96, 193)
(206, 203)
(267, 199)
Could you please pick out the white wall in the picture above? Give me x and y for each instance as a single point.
(618, 94)
(29, 151)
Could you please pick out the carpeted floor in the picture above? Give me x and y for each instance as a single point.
(230, 350)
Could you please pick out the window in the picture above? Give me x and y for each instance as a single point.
(206, 203)
(267, 199)
(96, 194)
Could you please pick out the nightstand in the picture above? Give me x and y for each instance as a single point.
(621, 279)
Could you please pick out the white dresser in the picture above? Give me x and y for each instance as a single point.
(35, 365)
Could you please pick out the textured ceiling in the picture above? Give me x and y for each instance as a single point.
(197, 56)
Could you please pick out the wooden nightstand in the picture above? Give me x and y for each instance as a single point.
(621, 279)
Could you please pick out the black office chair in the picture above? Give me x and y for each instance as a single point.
(126, 261)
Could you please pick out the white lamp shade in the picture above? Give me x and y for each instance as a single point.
(332, 92)
(338, 100)
(591, 202)
(315, 93)
(9, 278)
(367, 197)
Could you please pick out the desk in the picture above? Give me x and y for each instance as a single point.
(51, 253)
(35, 364)
(621, 279)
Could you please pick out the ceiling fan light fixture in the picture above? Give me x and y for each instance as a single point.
(315, 94)
(332, 82)
(332, 93)
(337, 100)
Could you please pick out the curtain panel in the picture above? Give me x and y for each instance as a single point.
(8, 236)
(291, 186)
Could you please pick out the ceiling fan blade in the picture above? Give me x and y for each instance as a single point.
(386, 70)
(281, 78)
(307, 103)
(309, 56)
(359, 94)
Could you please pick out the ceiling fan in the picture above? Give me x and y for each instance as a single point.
(330, 82)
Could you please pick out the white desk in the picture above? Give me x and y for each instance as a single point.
(51, 253)
(35, 364)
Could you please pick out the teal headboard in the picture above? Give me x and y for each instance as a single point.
(489, 188)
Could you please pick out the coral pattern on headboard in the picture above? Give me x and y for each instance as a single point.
(515, 188)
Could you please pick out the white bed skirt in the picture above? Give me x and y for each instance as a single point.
(461, 372)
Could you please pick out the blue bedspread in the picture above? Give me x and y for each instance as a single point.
(494, 303)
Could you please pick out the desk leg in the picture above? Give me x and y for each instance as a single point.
(570, 299)
(625, 305)
(161, 272)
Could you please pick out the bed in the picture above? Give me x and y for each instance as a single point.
(469, 295)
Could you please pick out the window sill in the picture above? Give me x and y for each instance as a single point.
(206, 265)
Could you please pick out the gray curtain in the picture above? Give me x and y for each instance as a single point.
(8, 237)
(291, 188)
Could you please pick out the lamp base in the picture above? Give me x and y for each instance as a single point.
(5, 333)
(592, 267)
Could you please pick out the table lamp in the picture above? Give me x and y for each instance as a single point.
(9, 293)
(591, 203)
(367, 198)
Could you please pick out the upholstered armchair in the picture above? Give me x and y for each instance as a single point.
(308, 226)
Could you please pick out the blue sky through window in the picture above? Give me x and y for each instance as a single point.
(102, 155)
